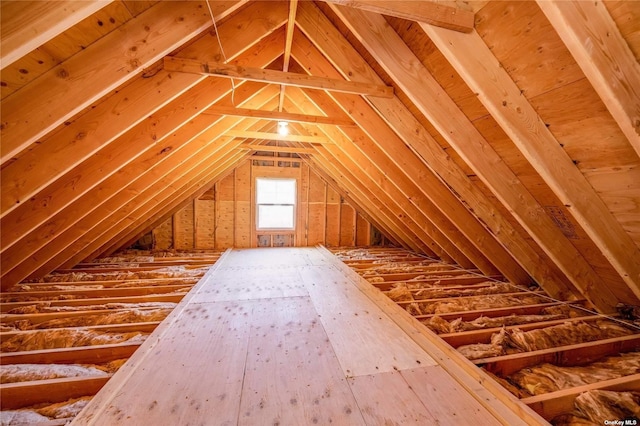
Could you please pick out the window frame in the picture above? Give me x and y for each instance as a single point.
(258, 204)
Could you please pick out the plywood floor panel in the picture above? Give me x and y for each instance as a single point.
(279, 336)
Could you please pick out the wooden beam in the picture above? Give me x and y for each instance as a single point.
(77, 355)
(85, 77)
(292, 150)
(594, 40)
(278, 116)
(442, 14)
(28, 25)
(245, 134)
(484, 74)
(277, 77)
(433, 101)
(581, 353)
(291, 23)
(24, 394)
(552, 404)
(275, 159)
(414, 135)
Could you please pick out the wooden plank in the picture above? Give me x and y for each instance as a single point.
(444, 397)
(535, 141)
(27, 26)
(495, 312)
(291, 24)
(278, 116)
(492, 396)
(24, 394)
(603, 54)
(107, 61)
(214, 373)
(385, 286)
(353, 326)
(276, 137)
(280, 385)
(95, 293)
(146, 327)
(552, 404)
(271, 76)
(387, 47)
(404, 408)
(448, 15)
(174, 298)
(578, 354)
(292, 150)
(484, 335)
(97, 354)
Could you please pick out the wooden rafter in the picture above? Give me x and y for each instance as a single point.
(443, 14)
(277, 77)
(483, 73)
(432, 101)
(23, 178)
(92, 73)
(26, 27)
(291, 22)
(276, 137)
(594, 40)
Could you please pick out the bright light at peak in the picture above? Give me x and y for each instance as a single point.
(283, 128)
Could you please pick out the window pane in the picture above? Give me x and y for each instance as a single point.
(275, 217)
(276, 191)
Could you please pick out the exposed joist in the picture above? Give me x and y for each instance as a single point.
(245, 134)
(594, 40)
(395, 113)
(484, 74)
(28, 25)
(73, 85)
(276, 77)
(291, 22)
(432, 101)
(445, 14)
(278, 116)
(275, 159)
(268, 148)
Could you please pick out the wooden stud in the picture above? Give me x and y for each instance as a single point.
(245, 134)
(278, 116)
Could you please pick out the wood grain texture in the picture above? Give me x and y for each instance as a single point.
(594, 40)
(483, 73)
(28, 25)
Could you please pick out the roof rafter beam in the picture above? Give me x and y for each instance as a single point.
(217, 69)
(432, 101)
(291, 23)
(442, 14)
(27, 27)
(278, 116)
(484, 74)
(594, 40)
(276, 137)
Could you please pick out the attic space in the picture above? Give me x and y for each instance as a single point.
(374, 211)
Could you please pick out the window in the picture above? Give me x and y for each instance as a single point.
(276, 200)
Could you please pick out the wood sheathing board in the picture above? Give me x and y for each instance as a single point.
(563, 360)
(65, 335)
(295, 342)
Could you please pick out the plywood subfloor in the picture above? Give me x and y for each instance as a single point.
(281, 336)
